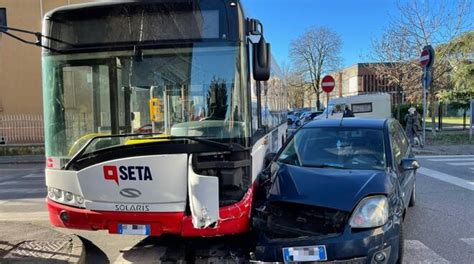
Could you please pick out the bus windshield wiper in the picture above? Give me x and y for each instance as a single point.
(82, 152)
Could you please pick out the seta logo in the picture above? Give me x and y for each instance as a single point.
(127, 173)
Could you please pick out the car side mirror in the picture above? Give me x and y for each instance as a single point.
(269, 158)
(409, 164)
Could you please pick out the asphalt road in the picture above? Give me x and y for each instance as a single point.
(439, 229)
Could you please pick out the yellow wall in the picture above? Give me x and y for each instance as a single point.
(20, 64)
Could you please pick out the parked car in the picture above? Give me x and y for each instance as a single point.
(312, 115)
(337, 191)
(293, 124)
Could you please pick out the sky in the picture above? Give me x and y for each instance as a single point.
(356, 21)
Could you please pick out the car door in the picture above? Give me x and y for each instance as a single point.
(409, 176)
(400, 150)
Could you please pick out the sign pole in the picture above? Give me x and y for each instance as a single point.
(472, 119)
(425, 89)
(327, 105)
(328, 84)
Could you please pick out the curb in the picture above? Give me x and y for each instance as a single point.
(22, 159)
(21, 162)
(78, 249)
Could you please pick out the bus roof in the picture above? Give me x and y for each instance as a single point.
(102, 3)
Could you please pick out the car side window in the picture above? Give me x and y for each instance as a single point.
(396, 142)
(403, 140)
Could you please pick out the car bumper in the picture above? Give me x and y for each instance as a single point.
(234, 219)
(350, 247)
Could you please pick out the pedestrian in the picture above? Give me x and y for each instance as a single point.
(412, 120)
(348, 112)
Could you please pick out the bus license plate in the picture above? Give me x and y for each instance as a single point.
(309, 253)
(127, 229)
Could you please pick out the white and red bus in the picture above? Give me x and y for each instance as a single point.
(158, 116)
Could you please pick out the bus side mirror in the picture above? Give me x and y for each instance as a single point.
(261, 60)
(254, 27)
(3, 20)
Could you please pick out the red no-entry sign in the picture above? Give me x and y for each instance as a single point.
(427, 57)
(328, 83)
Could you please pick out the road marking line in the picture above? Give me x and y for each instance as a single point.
(33, 176)
(461, 163)
(417, 252)
(23, 190)
(17, 169)
(447, 178)
(20, 202)
(29, 183)
(444, 156)
(12, 182)
(24, 216)
(457, 159)
(469, 241)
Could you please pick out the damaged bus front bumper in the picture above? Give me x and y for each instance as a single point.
(234, 219)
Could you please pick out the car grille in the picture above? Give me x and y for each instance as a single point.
(290, 220)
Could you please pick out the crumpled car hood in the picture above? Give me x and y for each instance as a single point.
(332, 188)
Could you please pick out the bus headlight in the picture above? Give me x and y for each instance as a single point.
(79, 199)
(65, 197)
(370, 212)
(68, 196)
(57, 193)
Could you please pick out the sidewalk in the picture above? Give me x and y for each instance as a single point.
(466, 149)
(22, 159)
(26, 243)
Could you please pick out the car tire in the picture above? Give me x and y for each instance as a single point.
(413, 197)
(401, 244)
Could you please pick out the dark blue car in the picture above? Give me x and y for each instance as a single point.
(337, 191)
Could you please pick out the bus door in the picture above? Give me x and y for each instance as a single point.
(94, 103)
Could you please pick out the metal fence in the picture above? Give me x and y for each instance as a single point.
(21, 129)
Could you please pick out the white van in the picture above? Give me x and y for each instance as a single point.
(367, 106)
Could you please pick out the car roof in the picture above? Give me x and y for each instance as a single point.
(349, 122)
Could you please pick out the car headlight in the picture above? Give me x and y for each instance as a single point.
(370, 212)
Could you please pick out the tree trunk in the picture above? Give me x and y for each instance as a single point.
(433, 116)
(432, 109)
(318, 101)
(400, 97)
(464, 119)
(440, 116)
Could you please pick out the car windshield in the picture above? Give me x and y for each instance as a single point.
(336, 147)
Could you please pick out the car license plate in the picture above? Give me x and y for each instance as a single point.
(308, 253)
(127, 229)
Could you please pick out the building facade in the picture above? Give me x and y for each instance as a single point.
(359, 79)
(21, 104)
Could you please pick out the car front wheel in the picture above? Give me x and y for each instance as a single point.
(401, 244)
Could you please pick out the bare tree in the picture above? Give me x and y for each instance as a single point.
(431, 22)
(394, 62)
(314, 53)
(294, 84)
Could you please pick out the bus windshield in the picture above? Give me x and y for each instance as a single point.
(181, 91)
